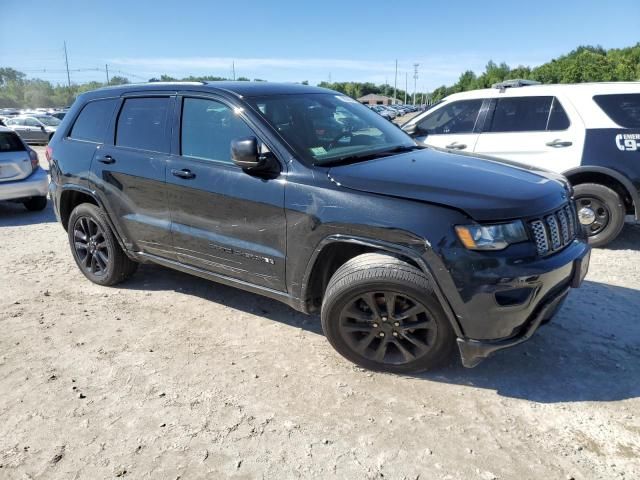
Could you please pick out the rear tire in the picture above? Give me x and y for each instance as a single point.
(608, 209)
(95, 248)
(381, 313)
(35, 204)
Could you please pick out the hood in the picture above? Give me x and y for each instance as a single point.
(486, 189)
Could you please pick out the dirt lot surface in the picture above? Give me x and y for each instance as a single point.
(169, 376)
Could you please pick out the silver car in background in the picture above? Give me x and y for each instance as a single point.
(34, 128)
(21, 177)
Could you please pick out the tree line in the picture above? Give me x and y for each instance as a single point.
(584, 64)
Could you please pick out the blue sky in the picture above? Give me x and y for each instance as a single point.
(301, 40)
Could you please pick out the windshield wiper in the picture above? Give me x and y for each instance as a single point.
(370, 155)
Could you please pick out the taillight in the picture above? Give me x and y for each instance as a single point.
(48, 153)
(34, 159)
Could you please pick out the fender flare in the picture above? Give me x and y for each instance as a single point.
(91, 193)
(626, 183)
(385, 247)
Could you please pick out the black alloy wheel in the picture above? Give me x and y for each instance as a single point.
(91, 247)
(387, 327)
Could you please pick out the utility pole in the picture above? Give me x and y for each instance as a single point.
(233, 69)
(66, 61)
(329, 78)
(385, 86)
(106, 69)
(415, 81)
(395, 84)
(406, 86)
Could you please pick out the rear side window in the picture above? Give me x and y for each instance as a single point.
(9, 142)
(456, 117)
(624, 109)
(91, 124)
(528, 114)
(142, 124)
(208, 127)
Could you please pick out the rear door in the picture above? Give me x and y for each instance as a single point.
(18, 126)
(223, 220)
(34, 129)
(129, 172)
(454, 125)
(542, 131)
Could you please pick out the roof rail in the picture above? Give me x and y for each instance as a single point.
(517, 82)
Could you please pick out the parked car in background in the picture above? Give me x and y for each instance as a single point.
(589, 132)
(21, 177)
(383, 112)
(34, 128)
(59, 115)
(304, 195)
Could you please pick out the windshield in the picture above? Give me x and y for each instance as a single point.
(324, 128)
(49, 121)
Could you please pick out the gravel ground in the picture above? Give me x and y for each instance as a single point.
(169, 376)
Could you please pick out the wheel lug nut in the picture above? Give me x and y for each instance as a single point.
(396, 324)
(375, 325)
(381, 334)
(384, 319)
(395, 334)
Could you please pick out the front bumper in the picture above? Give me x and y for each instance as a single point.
(35, 185)
(473, 351)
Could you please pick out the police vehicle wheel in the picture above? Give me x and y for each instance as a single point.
(600, 211)
(381, 313)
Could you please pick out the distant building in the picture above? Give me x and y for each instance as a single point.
(375, 99)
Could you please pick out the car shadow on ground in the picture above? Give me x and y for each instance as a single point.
(589, 352)
(16, 215)
(629, 239)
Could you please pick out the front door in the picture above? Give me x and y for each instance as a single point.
(453, 125)
(541, 131)
(224, 220)
(129, 173)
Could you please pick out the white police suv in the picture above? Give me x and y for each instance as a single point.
(589, 132)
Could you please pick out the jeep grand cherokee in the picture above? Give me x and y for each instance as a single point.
(303, 195)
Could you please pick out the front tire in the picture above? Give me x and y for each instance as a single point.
(381, 313)
(95, 248)
(603, 209)
(35, 204)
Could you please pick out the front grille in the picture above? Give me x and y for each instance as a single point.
(555, 231)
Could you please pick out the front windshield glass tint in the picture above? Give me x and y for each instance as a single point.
(49, 121)
(325, 128)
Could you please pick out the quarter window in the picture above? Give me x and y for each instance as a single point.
(528, 114)
(624, 109)
(456, 117)
(142, 124)
(208, 127)
(91, 124)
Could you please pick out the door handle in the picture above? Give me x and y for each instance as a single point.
(557, 143)
(108, 159)
(456, 146)
(184, 173)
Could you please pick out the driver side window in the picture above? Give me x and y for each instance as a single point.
(30, 122)
(208, 127)
(456, 117)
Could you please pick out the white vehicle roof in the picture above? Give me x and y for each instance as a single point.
(579, 94)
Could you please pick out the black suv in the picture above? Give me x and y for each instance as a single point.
(304, 195)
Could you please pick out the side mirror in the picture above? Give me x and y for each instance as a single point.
(42, 127)
(414, 131)
(246, 155)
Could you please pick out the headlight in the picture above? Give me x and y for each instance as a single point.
(491, 237)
